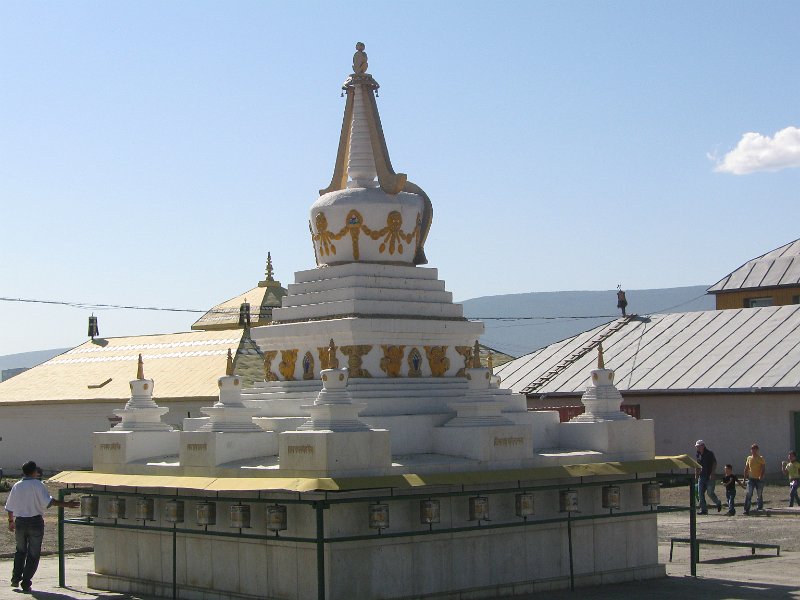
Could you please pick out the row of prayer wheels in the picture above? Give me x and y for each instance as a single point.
(174, 512)
(430, 510)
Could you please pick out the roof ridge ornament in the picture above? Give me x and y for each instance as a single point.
(364, 85)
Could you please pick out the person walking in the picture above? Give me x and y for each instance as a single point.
(706, 477)
(791, 467)
(26, 503)
(755, 467)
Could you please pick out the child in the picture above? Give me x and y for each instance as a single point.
(792, 469)
(730, 480)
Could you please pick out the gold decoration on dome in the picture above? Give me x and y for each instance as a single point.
(392, 361)
(287, 364)
(476, 356)
(392, 234)
(601, 363)
(437, 360)
(414, 363)
(308, 366)
(269, 356)
(466, 352)
(355, 356)
(140, 368)
(229, 364)
(389, 181)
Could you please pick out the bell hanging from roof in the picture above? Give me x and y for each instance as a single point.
(94, 330)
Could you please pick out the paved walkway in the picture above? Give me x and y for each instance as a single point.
(724, 574)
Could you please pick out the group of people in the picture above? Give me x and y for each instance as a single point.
(755, 469)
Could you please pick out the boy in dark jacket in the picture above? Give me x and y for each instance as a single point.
(729, 480)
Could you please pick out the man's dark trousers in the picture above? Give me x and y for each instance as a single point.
(29, 532)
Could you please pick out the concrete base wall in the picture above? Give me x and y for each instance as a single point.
(479, 563)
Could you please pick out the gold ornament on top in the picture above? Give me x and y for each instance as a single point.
(476, 355)
(389, 181)
(229, 364)
(601, 363)
(327, 356)
(140, 368)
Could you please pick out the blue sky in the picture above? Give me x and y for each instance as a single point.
(151, 153)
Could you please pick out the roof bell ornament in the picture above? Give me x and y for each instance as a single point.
(94, 330)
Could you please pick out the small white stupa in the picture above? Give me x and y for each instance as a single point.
(601, 399)
(141, 413)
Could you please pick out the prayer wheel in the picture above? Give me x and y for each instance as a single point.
(479, 508)
(651, 494)
(429, 512)
(206, 513)
(240, 516)
(276, 517)
(523, 504)
(89, 506)
(173, 511)
(378, 516)
(568, 501)
(116, 508)
(145, 509)
(611, 496)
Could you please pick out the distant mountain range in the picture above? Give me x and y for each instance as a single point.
(580, 311)
(28, 359)
(530, 321)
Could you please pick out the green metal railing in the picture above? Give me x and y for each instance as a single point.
(320, 505)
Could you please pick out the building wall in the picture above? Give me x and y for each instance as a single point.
(58, 435)
(780, 297)
(728, 423)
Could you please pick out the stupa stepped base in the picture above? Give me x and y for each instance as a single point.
(213, 448)
(632, 439)
(382, 396)
(111, 449)
(322, 453)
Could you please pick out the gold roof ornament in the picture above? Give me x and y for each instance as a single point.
(490, 361)
(600, 362)
(389, 181)
(140, 368)
(476, 356)
(229, 365)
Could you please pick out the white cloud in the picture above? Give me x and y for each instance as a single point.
(756, 152)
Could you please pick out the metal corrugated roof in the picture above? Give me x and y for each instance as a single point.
(780, 267)
(723, 350)
(262, 300)
(182, 365)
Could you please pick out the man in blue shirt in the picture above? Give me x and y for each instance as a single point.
(25, 505)
(706, 479)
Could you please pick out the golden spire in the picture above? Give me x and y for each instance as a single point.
(600, 362)
(229, 366)
(333, 363)
(269, 267)
(140, 368)
(490, 361)
(476, 356)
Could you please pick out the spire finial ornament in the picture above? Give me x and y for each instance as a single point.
(269, 268)
(229, 366)
(360, 59)
(490, 361)
(600, 362)
(140, 368)
(476, 355)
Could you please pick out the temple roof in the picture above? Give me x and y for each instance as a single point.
(182, 365)
(262, 299)
(777, 268)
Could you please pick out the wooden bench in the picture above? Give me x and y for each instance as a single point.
(707, 542)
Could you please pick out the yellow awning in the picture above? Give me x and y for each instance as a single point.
(408, 480)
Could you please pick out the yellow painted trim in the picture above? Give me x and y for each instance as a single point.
(405, 481)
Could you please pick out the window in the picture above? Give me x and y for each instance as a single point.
(757, 302)
(795, 299)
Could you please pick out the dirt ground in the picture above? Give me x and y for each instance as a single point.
(758, 527)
